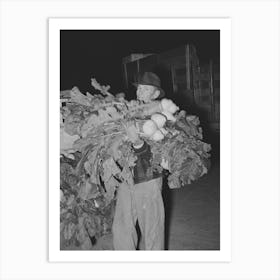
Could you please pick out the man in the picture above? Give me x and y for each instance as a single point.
(142, 201)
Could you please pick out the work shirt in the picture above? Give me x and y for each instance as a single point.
(142, 171)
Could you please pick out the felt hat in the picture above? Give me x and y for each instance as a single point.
(151, 79)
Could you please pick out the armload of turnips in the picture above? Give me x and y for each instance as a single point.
(96, 156)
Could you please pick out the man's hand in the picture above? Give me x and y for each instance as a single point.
(132, 133)
(164, 164)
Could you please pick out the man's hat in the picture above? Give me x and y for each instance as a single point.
(151, 79)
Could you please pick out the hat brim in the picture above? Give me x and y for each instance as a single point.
(162, 92)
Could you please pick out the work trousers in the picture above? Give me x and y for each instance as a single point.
(142, 202)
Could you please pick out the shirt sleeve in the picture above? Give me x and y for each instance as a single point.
(141, 150)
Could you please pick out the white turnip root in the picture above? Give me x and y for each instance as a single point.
(169, 106)
(157, 136)
(149, 128)
(159, 119)
(169, 116)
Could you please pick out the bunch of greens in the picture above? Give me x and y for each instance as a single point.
(182, 148)
(96, 158)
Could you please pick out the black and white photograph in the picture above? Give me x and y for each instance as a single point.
(139, 139)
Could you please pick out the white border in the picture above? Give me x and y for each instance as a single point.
(224, 254)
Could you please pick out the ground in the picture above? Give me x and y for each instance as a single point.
(193, 220)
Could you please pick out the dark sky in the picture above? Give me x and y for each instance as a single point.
(98, 53)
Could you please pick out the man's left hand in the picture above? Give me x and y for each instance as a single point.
(132, 133)
(164, 164)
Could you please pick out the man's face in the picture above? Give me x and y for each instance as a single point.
(146, 93)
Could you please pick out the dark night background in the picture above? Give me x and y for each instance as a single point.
(98, 53)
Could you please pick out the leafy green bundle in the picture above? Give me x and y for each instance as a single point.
(97, 157)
